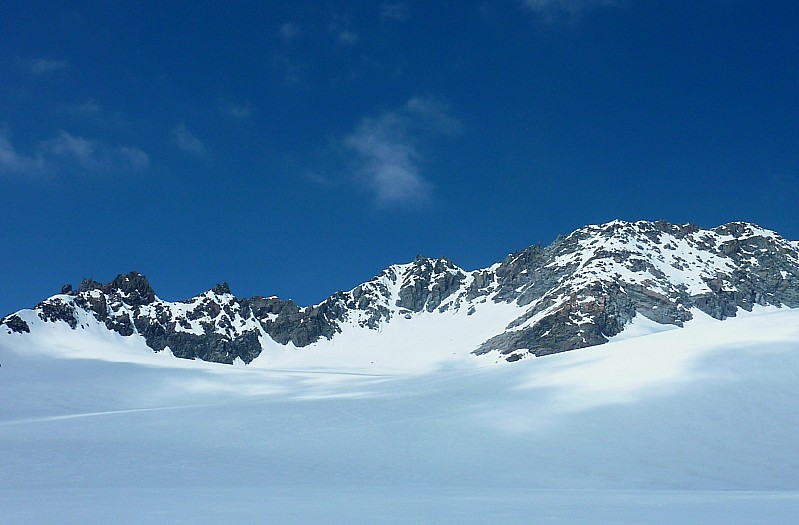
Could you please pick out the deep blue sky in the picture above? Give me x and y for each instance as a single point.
(297, 148)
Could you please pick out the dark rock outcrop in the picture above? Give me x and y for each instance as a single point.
(15, 324)
(57, 310)
(427, 283)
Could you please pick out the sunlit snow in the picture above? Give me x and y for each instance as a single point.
(692, 425)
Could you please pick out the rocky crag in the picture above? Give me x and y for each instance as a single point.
(577, 292)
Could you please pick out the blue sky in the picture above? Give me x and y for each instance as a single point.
(296, 148)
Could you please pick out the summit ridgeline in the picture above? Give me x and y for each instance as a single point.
(576, 292)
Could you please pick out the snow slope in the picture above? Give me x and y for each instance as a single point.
(692, 425)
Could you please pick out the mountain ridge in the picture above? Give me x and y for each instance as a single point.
(578, 291)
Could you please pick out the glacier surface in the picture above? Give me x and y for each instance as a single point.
(691, 425)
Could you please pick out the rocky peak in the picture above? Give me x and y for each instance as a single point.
(221, 289)
(88, 284)
(132, 288)
(427, 282)
(588, 285)
(742, 229)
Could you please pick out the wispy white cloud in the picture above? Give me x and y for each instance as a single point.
(188, 141)
(289, 32)
(397, 11)
(239, 111)
(347, 38)
(133, 157)
(387, 149)
(572, 6)
(92, 155)
(340, 28)
(12, 162)
(85, 152)
(90, 107)
(44, 66)
(66, 152)
(284, 57)
(552, 11)
(431, 114)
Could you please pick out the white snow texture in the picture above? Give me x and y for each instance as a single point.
(691, 425)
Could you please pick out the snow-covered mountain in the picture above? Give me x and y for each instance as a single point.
(691, 425)
(375, 405)
(579, 291)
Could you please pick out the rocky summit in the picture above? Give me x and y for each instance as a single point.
(576, 292)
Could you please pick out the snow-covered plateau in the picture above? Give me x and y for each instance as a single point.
(691, 425)
(685, 410)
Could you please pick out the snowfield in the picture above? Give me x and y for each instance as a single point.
(661, 425)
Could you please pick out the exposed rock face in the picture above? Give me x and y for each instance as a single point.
(16, 324)
(427, 283)
(577, 292)
(587, 286)
(133, 289)
(55, 309)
